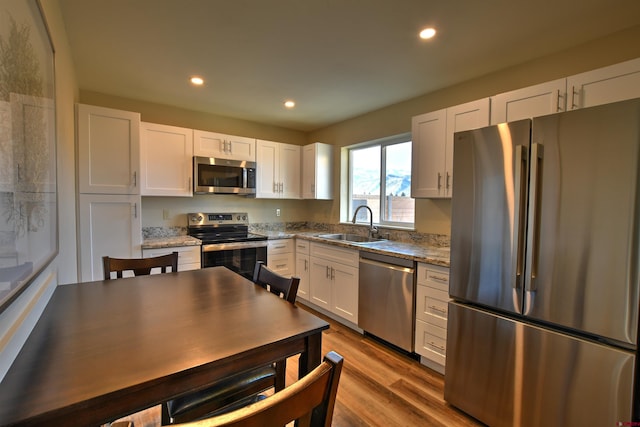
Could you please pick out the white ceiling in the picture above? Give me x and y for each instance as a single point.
(336, 58)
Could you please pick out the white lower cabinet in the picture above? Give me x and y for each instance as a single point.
(303, 268)
(280, 256)
(110, 225)
(432, 296)
(333, 283)
(188, 256)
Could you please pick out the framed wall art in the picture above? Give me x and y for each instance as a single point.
(28, 190)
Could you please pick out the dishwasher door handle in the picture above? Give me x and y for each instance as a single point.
(385, 265)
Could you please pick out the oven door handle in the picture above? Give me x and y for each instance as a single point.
(213, 247)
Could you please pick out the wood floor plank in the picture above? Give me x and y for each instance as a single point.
(379, 386)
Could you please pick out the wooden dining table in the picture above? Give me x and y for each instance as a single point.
(103, 350)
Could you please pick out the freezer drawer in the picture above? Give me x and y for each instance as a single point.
(559, 380)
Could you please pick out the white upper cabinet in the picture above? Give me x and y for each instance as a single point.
(166, 154)
(428, 133)
(317, 171)
(278, 170)
(108, 150)
(617, 82)
(533, 101)
(472, 115)
(221, 146)
(432, 142)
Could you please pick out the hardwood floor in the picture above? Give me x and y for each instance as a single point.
(378, 387)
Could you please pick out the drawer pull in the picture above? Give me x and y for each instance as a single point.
(433, 344)
(281, 265)
(442, 279)
(436, 308)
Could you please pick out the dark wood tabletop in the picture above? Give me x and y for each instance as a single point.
(105, 349)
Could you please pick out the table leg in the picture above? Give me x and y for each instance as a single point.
(312, 357)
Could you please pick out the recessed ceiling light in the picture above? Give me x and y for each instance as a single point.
(289, 104)
(427, 33)
(197, 81)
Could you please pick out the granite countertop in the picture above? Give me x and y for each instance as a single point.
(170, 242)
(420, 253)
(414, 252)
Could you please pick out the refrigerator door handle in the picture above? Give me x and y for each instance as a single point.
(519, 221)
(519, 217)
(533, 237)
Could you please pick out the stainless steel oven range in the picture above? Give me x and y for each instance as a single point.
(226, 241)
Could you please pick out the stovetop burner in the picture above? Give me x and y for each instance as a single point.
(221, 227)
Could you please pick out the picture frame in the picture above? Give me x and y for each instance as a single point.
(28, 175)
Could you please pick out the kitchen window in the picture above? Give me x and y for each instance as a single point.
(380, 177)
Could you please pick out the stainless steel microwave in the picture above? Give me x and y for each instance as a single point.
(212, 175)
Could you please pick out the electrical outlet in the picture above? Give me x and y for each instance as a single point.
(277, 212)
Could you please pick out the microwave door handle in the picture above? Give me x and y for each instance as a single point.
(245, 178)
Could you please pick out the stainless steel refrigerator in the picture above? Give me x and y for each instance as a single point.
(545, 250)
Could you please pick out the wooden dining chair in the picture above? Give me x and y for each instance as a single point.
(309, 401)
(284, 287)
(243, 388)
(139, 266)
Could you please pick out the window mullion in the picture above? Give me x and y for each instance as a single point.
(383, 184)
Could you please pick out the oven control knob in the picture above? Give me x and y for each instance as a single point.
(244, 217)
(197, 218)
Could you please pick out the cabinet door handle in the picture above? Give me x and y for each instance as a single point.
(448, 176)
(135, 178)
(328, 273)
(558, 106)
(275, 187)
(230, 148)
(573, 98)
(135, 210)
(439, 178)
(306, 265)
(333, 273)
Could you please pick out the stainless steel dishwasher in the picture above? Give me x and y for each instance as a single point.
(386, 303)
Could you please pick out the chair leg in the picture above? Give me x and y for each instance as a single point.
(281, 373)
(165, 419)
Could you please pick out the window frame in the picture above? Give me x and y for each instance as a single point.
(348, 164)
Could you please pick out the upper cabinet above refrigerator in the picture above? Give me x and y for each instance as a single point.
(605, 85)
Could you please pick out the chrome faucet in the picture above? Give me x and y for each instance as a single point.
(372, 230)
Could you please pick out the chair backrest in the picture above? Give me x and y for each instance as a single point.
(287, 287)
(309, 400)
(139, 266)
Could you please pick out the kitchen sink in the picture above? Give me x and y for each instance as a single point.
(350, 238)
